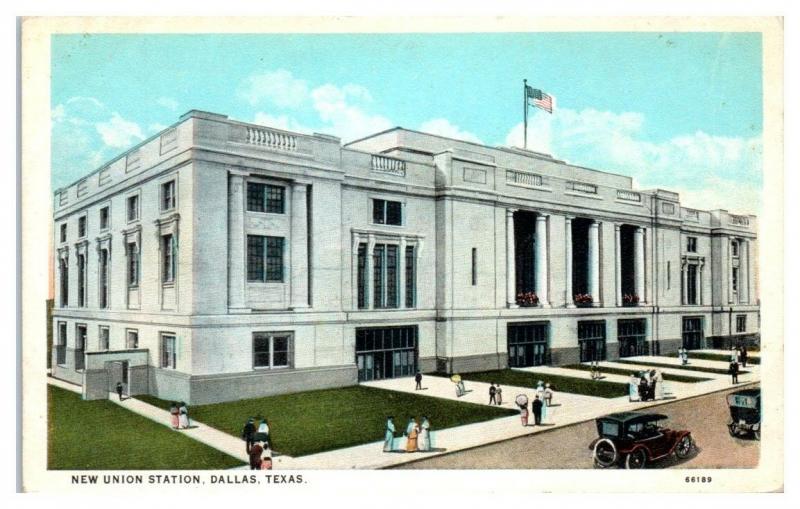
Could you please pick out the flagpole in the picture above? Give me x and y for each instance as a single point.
(525, 109)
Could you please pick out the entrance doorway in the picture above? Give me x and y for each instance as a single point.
(118, 372)
(592, 340)
(527, 344)
(693, 333)
(386, 352)
(632, 338)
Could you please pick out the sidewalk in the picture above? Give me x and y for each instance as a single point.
(757, 355)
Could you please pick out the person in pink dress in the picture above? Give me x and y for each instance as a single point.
(174, 415)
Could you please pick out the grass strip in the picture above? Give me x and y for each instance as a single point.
(574, 385)
(627, 372)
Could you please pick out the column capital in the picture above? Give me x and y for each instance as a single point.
(542, 217)
(299, 185)
(595, 223)
(510, 212)
(238, 172)
(569, 218)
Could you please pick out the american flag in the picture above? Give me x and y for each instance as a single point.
(541, 100)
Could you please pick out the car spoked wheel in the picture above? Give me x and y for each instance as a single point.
(684, 447)
(636, 460)
(732, 429)
(757, 435)
(605, 453)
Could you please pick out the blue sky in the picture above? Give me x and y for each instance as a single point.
(681, 111)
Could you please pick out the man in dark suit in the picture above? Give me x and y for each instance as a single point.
(492, 394)
(119, 390)
(744, 356)
(537, 410)
(247, 434)
(418, 379)
(734, 370)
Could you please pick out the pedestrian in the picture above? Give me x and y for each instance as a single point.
(119, 390)
(540, 389)
(643, 388)
(685, 360)
(492, 394)
(247, 434)
(734, 354)
(633, 388)
(262, 433)
(418, 379)
(183, 417)
(424, 436)
(537, 410)
(734, 371)
(412, 432)
(744, 356)
(499, 394)
(388, 435)
(548, 395)
(523, 413)
(255, 456)
(652, 385)
(174, 415)
(266, 461)
(658, 382)
(461, 387)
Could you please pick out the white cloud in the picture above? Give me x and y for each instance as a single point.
(345, 111)
(443, 127)
(118, 132)
(168, 103)
(697, 165)
(284, 122)
(279, 88)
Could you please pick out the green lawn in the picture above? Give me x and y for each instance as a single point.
(627, 372)
(100, 435)
(718, 371)
(719, 357)
(586, 386)
(316, 421)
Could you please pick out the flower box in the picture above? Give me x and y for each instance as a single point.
(583, 300)
(527, 300)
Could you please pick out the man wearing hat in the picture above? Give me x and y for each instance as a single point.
(247, 434)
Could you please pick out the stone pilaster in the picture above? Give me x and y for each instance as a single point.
(541, 264)
(299, 249)
(511, 273)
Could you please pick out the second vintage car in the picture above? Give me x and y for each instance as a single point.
(635, 439)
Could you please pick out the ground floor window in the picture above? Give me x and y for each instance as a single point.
(61, 344)
(632, 337)
(592, 340)
(741, 323)
(528, 344)
(272, 350)
(80, 346)
(169, 353)
(131, 339)
(692, 333)
(386, 352)
(105, 338)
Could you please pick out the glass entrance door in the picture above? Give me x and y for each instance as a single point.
(592, 341)
(693, 333)
(388, 352)
(527, 344)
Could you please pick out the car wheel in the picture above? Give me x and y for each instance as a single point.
(732, 429)
(605, 453)
(757, 435)
(684, 447)
(636, 460)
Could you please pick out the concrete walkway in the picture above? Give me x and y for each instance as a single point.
(674, 361)
(568, 409)
(757, 355)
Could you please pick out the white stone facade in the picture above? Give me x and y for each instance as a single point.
(442, 236)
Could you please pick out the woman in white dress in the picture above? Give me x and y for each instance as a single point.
(540, 394)
(183, 418)
(633, 388)
(659, 380)
(424, 436)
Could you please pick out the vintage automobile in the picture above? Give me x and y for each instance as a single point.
(745, 409)
(635, 439)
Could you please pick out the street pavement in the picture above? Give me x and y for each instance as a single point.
(568, 447)
(568, 409)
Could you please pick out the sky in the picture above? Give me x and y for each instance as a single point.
(680, 111)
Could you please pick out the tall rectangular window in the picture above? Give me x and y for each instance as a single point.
(387, 212)
(169, 355)
(81, 280)
(669, 275)
(63, 269)
(377, 275)
(105, 338)
(411, 277)
(362, 276)
(691, 284)
(131, 339)
(133, 207)
(474, 266)
(741, 323)
(167, 258)
(104, 218)
(168, 195)
(265, 198)
(61, 344)
(63, 232)
(272, 350)
(391, 276)
(80, 346)
(103, 278)
(265, 259)
(735, 279)
(133, 264)
(735, 248)
(385, 276)
(691, 244)
(81, 227)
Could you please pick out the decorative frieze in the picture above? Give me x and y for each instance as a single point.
(668, 208)
(734, 220)
(631, 196)
(524, 178)
(475, 175)
(691, 215)
(581, 187)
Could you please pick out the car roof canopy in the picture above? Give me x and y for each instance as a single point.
(634, 417)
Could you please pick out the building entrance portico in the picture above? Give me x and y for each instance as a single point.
(107, 368)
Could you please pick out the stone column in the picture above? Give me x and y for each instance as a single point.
(684, 283)
(594, 261)
(401, 269)
(354, 271)
(369, 284)
(744, 271)
(729, 256)
(299, 241)
(568, 297)
(237, 276)
(618, 264)
(638, 263)
(699, 283)
(511, 273)
(540, 260)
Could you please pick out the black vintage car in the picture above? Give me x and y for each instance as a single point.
(634, 439)
(745, 407)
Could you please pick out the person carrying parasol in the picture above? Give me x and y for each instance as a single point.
(522, 402)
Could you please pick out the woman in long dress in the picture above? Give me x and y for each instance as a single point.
(183, 418)
(523, 414)
(424, 436)
(173, 415)
(633, 388)
(659, 381)
(412, 431)
(262, 433)
(388, 436)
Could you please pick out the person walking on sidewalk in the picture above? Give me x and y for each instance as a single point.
(492, 394)
(255, 456)
(388, 435)
(247, 434)
(734, 371)
(418, 379)
(119, 390)
(183, 417)
(499, 394)
(523, 413)
(744, 356)
(174, 415)
(537, 410)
